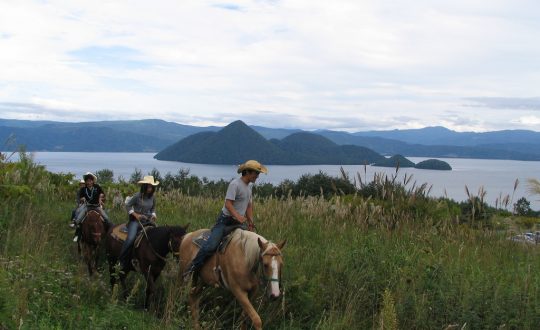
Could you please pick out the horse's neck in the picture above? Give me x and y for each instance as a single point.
(249, 248)
(159, 244)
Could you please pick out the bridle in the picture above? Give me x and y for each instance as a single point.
(264, 278)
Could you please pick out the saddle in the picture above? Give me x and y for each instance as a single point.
(227, 236)
(92, 208)
(120, 233)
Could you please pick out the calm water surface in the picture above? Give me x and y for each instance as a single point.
(496, 176)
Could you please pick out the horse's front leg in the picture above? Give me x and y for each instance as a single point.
(151, 278)
(95, 258)
(243, 299)
(245, 324)
(87, 257)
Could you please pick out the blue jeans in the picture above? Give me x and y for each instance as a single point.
(81, 213)
(211, 245)
(132, 227)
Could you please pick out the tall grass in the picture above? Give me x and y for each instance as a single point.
(395, 258)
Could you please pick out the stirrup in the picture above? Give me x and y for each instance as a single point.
(188, 273)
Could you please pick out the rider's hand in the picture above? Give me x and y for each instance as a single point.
(241, 219)
(153, 218)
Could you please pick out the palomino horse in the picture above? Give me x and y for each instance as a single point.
(92, 230)
(248, 260)
(149, 255)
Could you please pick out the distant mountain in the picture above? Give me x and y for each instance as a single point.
(413, 136)
(95, 139)
(443, 136)
(237, 143)
(165, 133)
(274, 133)
(309, 148)
(395, 161)
(386, 146)
(152, 135)
(233, 144)
(433, 164)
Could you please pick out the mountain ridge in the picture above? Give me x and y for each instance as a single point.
(237, 142)
(134, 135)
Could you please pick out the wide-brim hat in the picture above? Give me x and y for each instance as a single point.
(149, 179)
(89, 174)
(254, 166)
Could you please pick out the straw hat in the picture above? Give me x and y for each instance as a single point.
(149, 179)
(253, 165)
(89, 174)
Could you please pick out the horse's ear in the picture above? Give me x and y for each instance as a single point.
(186, 226)
(281, 244)
(262, 245)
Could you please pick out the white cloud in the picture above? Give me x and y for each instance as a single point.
(348, 65)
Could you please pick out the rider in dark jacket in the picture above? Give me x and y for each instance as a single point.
(91, 195)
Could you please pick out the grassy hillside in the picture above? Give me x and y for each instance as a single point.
(351, 262)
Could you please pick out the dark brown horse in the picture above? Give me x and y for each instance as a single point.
(92, 231)
(248, 261)
(150, 255)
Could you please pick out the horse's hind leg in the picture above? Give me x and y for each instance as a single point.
(112, 275)
(194, 299)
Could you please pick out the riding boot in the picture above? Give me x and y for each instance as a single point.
(78, 233)
(125, 256)
(192, 270)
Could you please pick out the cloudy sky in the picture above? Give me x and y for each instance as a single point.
(348, 65)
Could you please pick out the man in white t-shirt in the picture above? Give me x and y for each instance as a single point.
(237, 209)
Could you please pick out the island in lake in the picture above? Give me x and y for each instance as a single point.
(237, 142)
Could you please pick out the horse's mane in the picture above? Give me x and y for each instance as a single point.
(162, 233)
(247, 241)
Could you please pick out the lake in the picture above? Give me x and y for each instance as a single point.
(496, 176)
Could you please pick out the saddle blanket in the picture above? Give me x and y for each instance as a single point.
(120, 233)
(205, 235)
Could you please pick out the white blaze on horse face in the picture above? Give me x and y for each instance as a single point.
(274, 284)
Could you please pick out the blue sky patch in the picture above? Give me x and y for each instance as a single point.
(113, 57)
(228, 6)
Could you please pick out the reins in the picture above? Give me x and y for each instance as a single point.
(150, 242)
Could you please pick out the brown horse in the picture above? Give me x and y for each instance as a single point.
(248, 260)
(150, 255)
(92, 230)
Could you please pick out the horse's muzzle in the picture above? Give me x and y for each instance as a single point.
(274, 296)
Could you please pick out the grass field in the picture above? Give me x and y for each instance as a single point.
(351, 262)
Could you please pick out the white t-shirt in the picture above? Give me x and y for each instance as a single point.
(239, 192)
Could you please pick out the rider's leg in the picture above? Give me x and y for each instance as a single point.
(72, 219)
(132, 226)
(105, 217)
(209, 246)
(80, 214)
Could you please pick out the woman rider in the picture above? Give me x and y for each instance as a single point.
(142, 210)
(91, 195)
